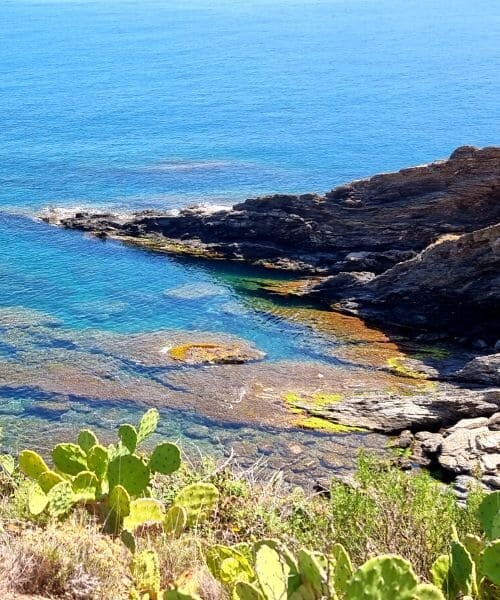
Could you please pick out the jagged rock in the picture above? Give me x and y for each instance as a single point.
(374, 225)
(459, 451)
(468, 424)
(489, 442)
(482, 369)
(494, 422)
(404, 440)
(490, 463)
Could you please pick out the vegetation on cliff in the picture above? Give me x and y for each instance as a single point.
(122, 522)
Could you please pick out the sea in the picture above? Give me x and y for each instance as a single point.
(124, 105)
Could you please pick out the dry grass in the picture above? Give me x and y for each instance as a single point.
(70, 560)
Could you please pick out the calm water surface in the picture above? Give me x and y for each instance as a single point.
(162, 104)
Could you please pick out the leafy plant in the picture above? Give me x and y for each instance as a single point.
(472, 568)
(114, 482)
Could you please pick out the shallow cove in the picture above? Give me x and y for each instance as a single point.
(83, 327)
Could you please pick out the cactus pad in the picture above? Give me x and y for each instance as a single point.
(32, 464)
(311, 571)
(87, 440)
(97, 460)
(146, 572)
(48, 480)
(85, 486)
(199, 500)
(238, 569)
(119, 501)
(343, 569)
(166, 459)
(37, 500)
(462, 569)
(490, 562)
(128, 436)
(61, 499)
(69, 458)
(130, 472)
(381, 578)
(247, 591)
(488, 513)
(148, 424)
(175, 520)
(144, 511)
(271, 572)
(427, 591)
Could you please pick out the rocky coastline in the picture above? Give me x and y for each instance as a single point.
(418, 250)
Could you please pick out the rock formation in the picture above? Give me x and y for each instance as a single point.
(391, 247)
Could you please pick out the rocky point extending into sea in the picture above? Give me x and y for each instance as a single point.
(416, 252)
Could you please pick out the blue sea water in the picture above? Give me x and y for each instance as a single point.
(128, 104)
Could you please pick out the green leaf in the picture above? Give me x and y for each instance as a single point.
(144, 511)
(488, 512)
(32, 464)
(128, 436)
(69, 458)
(175, 521)
(148, 424)
(87, 440)
(61, 499)
(119, 501)
(130, 472)
(37, 500)
(48, 480)
(490, 562)
(85, 486)
(166, 459)
(272, 573)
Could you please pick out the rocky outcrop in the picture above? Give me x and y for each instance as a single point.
(419, 247)
(453, 284)
(470, 450)
(482, 369)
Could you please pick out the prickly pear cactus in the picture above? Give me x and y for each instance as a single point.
(272, 573)
(48, 480)
(463, 569)
(32, 464)
(87, 439)
(119, 501)
(343, 570)
(426, 591)
(166, 459)
(381, 578)
(61, 499)
(69, 459)
(490, 562)
(145, 570)
(237, 569)
(97, 460)
(128, 437)
(175, 521)
(489, 515)
(130, 472)
(37, 500)
(148, 424)
(85, 486)
(144, 511)
(441, 576)
(312, 572)
(247, 591)
(199, 500)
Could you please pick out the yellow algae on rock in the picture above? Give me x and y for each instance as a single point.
(212, 353)
(397, 366)
(324, 425)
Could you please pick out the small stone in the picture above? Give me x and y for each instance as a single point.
(493, 481)
(489, 442)
(490, 463)
(295, 449)
(404, 440)
(468, 424)
(432, 444)
(494, 422)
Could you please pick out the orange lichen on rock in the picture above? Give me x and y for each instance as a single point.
(211, 353)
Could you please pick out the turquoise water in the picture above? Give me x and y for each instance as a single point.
(162, 104)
